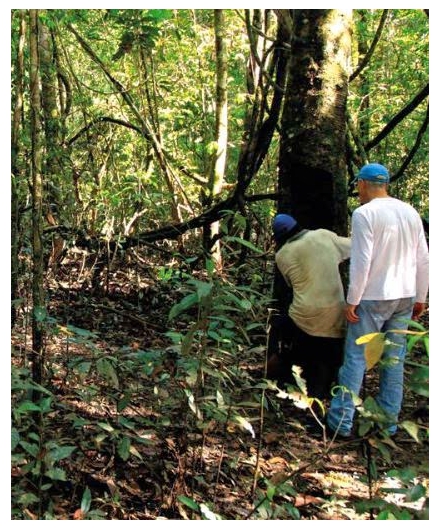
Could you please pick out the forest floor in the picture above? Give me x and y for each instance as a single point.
(137, 456)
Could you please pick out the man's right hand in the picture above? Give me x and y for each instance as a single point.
(350, 313)
(418, 310)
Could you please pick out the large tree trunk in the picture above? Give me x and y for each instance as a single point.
(37, 194)
(312, 168)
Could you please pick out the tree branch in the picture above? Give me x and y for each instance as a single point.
(103, 119)
(412, 105)
(414, 148)
(370, 52)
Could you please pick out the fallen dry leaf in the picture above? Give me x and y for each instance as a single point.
(303, 500)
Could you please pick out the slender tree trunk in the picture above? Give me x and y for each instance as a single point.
(364, 121)
(53, 134)
(15, 169)
(221, 128)
(37, 202)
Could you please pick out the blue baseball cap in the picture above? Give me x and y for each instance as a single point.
(374, 173)
(282, 224)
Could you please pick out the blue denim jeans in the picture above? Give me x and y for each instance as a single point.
(374, 316)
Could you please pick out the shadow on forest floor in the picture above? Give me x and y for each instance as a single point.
(147, 447)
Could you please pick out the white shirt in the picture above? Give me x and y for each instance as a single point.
(389, 256)
(310, 265)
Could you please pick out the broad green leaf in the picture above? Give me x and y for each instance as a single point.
(61, 452)
(27, 406)
(27, 498)
(124, 448)
(426, 343)
(40, 313)
(187, 302)
(106, 426)
(106, 369)
(15, 438)
(188, 502)
(32, 449)
(56, 473)
(245, 304)
(412, 429)
(373, 350)
(415, 493)
(123, 402)
(204, 289)
(80, 332)
(86, 501)
(245, 243)
(417, 325)
(271, 490)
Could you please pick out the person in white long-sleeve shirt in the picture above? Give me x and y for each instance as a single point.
(388, 286)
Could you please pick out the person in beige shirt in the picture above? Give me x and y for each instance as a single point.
(314, 328)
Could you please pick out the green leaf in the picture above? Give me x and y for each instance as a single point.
(40, 313)
(27, 406)
(123, 402)
(106, 426)
(56, 473)
(245, 243)
(415, 493)
(15, 438)
(106, 369)
(124, 448)
(61, 452)
(188, 502)
(27, 498)
(271, 490)
(204, 289)
(80, 332)
(32, 449)
(426, 343)
(86, 501)
(412, 429)
(187, 302)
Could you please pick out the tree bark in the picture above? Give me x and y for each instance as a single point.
(221, 131)
(312, 168)
(312, 163)
(15, 167)
(37, 202)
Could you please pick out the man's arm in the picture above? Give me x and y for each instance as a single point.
(360, 262)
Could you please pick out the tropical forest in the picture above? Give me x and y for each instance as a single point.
(151, 150)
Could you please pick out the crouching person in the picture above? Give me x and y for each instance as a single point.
(312, 334)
